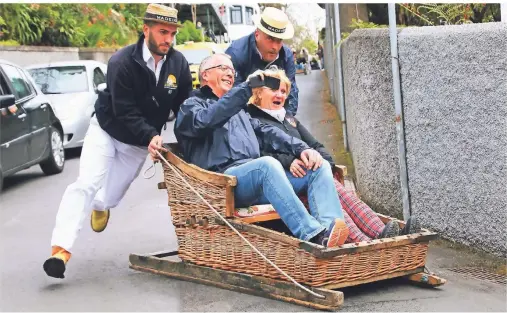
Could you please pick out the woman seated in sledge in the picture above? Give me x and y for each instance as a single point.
(267, 105)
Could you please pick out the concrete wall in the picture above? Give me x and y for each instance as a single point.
(454, 91)
(101, 55)
(370, 118)
(454, 83)
(27, 55)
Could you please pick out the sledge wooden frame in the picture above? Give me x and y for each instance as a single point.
(199, 231)
(157, 263)
(259, 286)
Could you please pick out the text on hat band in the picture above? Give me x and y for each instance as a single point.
(271, 28)
(169, 19)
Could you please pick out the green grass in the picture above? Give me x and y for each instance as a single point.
(9, 43)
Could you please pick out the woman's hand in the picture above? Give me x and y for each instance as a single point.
(297, 168)
(311, 159)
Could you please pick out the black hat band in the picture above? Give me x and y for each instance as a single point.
(271, 28)
(162, 18)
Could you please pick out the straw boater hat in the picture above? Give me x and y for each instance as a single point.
(161, 14)
(275, 23)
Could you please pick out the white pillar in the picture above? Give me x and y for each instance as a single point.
(228, 19)
(503, 12)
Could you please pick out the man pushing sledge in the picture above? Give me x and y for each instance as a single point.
(145, 81)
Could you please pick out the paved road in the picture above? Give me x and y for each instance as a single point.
(98, 277)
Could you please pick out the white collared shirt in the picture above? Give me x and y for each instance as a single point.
(150, 61)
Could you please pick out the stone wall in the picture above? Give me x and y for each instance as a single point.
(369, 109)
(28, 55)
(454, 93)
(101, 55)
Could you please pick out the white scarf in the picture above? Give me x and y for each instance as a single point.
(279, 114)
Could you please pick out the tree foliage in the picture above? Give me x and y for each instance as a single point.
(71, 24)
(302, 37)
(188, 32)
(452, 13)
(427, 14)
(357, 24)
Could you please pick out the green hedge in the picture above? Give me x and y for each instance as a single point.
(71, 24)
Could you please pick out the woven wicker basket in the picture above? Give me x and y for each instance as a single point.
(217, 189)
(216, 245)
(219, 247)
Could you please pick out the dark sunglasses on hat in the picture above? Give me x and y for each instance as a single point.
(269, 81)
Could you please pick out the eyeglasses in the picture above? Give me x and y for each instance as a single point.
(223, 68)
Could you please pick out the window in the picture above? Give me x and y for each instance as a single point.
(248, 15)
(4, 88)
(18, 81)
(236, 14)
(61, 79)
(98, 77)
(29, 81)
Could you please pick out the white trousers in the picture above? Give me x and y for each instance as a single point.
(106, 170)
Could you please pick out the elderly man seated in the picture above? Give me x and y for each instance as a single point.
(215, 133)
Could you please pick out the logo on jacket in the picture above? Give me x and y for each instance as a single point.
(171, 83)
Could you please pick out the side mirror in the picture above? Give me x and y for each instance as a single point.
(7, 100)
(101, 87)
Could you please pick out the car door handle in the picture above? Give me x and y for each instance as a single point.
(22, 116)
(43, 106)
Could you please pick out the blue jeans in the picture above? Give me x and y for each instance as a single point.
(264, 180)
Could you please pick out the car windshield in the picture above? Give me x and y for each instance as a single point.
(195, 56)
(61, 79)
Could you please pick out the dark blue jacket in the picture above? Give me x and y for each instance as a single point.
(215, 134)
(134, 108)
(292, 127)
(246, 60)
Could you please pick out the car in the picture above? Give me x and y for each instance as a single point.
(30, 132)
(194, 53)
(72, 87)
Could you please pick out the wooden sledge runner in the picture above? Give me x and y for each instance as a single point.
(213, 254)
(260, 286)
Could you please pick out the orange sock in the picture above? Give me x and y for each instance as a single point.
(60, 253)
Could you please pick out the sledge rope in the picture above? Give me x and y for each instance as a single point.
(232, 227)
(146, 171)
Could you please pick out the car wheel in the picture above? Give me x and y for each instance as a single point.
(56, 160)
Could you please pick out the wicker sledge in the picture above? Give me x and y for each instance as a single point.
(213, 254)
